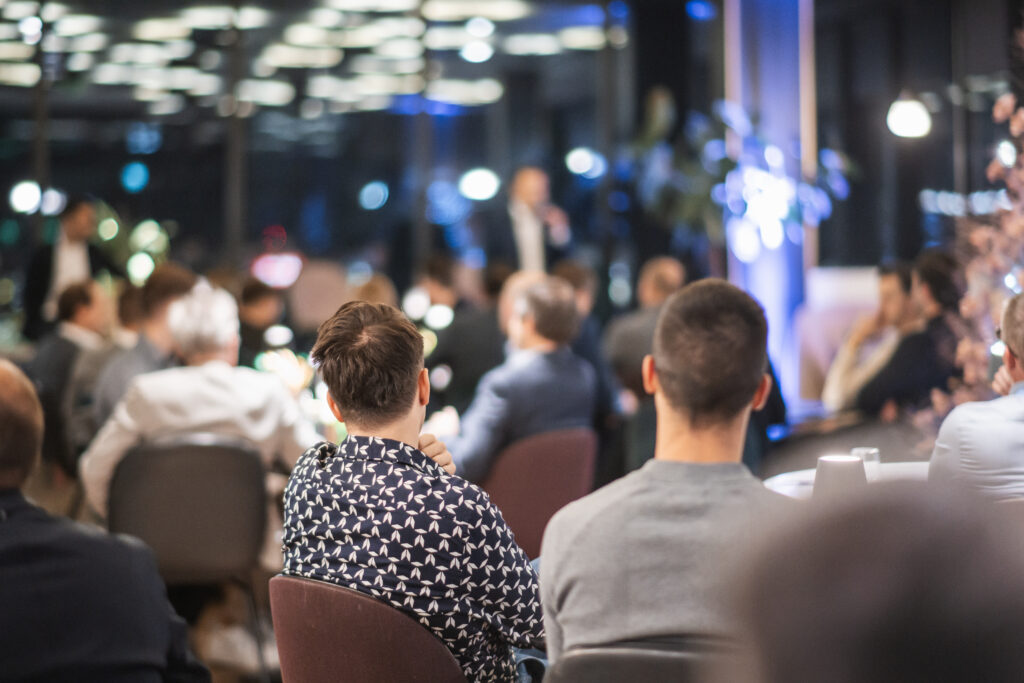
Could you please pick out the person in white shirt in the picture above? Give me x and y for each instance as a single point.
(873, 339)
(981, 444)
(54, 267)
(211, 394)
(529, 232)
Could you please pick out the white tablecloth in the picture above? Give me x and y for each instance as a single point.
(799, 484)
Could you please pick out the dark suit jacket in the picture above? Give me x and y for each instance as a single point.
(530, 393)
(470, 346)
(50, 371)
(77, 604)
(500, 242)
(38, 278)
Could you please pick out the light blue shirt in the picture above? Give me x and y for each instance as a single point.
(982, 445)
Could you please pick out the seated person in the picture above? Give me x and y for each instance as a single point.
(642, 557)
(630, 336)
(378, 515)
(154, 349)
(467, 362)
(904, 582)
(982, 444)
(78, 605)
(541, 387)
(923, 360)
(873, 340)
(210, 395)
(259, 307)
(85, 316)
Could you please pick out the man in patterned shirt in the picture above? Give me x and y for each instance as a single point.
(378, 515)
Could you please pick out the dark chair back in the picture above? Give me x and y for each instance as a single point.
(537, 476)
(198, 501)
(330, 634)
(680, 660)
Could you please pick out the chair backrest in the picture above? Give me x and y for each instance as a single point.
(198, 501)
(331, 634)
(537, 476)
(683, 660)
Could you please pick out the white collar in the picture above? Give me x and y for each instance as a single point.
(80, 336)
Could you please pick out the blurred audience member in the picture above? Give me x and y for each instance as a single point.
(259, 307)
(84, 315)
(155, 348)
(210, 395)
(78, 605)
(923, 360)
(70, 259)
(904, 582)
(377, 290)
(642, 557)
(130, 316)
(587, 344)
(80, 398)
(873, 340)
(470, 346)
(981, 444)
(530, 233)
(630, 337)
(542, 386)
(381, 513)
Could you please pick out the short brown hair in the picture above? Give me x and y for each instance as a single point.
(167, 282)
(710, 351)
(941, 272)
(551, 303)
(581, 276)
(74, 298)
(21, 426)
(255, 290)
(370, 357)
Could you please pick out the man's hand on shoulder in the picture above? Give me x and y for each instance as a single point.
(435, 449)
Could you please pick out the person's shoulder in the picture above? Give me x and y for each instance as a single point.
(576, 517)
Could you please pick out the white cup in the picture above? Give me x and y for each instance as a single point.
(872, 458)
(837, 474)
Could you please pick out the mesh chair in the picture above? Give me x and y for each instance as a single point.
(331, 634)
(537, 476)
(680, 660)
(199, 502)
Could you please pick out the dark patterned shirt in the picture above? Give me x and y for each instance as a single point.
(381, 517)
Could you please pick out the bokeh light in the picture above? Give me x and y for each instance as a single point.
(480, 184)
(374, 195)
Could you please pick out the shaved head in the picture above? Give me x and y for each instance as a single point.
(21, 426)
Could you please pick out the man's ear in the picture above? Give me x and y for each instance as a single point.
(1010, 360)
(763, 391)
(423, 387)
(334, 408)
(649, 374)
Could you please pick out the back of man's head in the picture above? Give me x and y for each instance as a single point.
(167, 282)
(551, 304)
(939, 271)
(660, 278)
(905, 582)
(21, 426)
(1012, 327)
(204, 321)
(440, 269)
(902, 271)
(710, 351)
(370, 356)
(74, 299)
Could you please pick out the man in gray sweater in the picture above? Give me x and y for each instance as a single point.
(642, 558)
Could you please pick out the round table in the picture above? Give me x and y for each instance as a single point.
(800, 484)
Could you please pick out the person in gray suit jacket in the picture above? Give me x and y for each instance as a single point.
(542, 386)
(78, 604)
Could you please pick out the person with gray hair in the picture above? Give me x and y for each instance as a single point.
(210, 394)
(981, 444)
